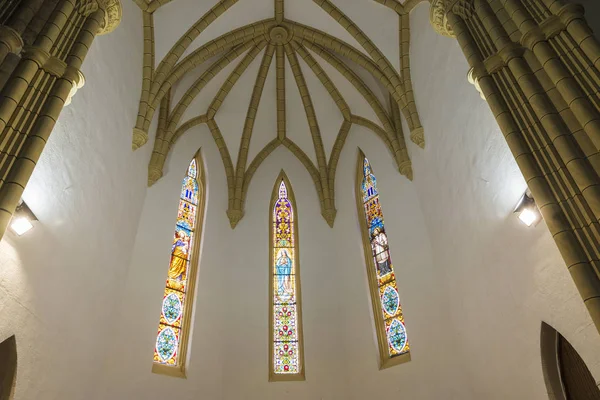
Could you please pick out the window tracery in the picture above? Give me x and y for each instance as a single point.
(174, 325)
(286, 345)
(389, 319)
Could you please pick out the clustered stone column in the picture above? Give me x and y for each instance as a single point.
(537, 64)
(42, 46)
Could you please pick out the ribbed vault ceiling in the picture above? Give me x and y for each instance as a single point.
(262, 74)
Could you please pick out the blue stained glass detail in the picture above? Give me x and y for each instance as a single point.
(189, 190)
(166, 343)
(397, 335)
(171, 321)
(171, 308)
(369, 183)
(390, 300)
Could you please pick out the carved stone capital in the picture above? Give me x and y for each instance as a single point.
(511, 51)
(87, 7)
(474, 80)
(36, 54)
(55, 66)
(569, 12)
(491, 65)
(78, 80)
(439, 19)
(140, 137)
(113, 12)
(417, 136)
(552, 26)
(52, 65)
(532, 37)
(11, 39)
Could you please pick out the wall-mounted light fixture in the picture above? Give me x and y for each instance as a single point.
(22, 220)
(527, 211)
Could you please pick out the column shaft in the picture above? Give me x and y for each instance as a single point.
(35, 94)
(543, 100)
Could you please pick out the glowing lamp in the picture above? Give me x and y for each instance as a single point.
(22, 221)
(527, 211)
(20, 225)
(528, 217)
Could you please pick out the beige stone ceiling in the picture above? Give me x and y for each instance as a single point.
(262, 74)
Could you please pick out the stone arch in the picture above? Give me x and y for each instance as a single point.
(8, 367)
(565, 373)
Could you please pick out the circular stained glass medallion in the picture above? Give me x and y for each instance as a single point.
(166, 344)
(396, 334)
(171, 308)
(390, 300)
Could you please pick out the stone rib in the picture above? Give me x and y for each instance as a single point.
(280, 88)
(322, 75)
(309, 110)
(201, 82)
(259, 85)
(190, 35)
(340, 140)
(357, 82)
(232, 79)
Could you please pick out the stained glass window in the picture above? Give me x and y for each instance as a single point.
(286, 328)
(173, 327)
(389, 319)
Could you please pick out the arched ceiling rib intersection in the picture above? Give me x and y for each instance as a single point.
(295, 50)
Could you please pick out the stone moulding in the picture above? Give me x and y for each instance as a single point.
(78, 83)
(11, 39)
(280, 41)
(473, 80)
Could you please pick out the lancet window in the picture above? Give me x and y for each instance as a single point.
(385, 298)
(174, 325)
(286, 346)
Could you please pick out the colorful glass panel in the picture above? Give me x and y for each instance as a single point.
(168, 339)
(384, 270)
(286, 359)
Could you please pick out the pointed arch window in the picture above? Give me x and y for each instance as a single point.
(286, 355)
(174, 325)
(387, 311)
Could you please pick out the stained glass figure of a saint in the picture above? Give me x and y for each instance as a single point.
(389, 319)
(173, 327)
(283, 271)
(286, 354)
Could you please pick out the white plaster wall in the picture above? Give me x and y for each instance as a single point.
(61, 281)
(503, 278)
(422, 293)
(229, 348)
(82, 291)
